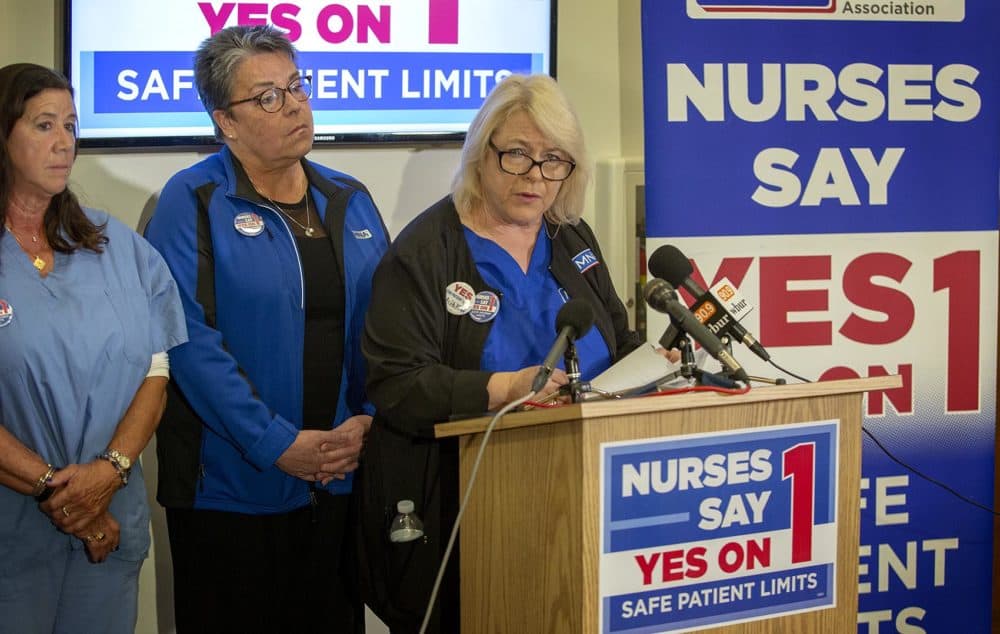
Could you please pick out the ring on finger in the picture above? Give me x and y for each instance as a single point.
(65, 511)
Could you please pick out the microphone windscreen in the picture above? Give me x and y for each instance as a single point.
(576, 314)
(669, 263)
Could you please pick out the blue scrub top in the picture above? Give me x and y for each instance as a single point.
(524, 327)
(74, 348)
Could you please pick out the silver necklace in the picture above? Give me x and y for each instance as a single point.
(307, 228)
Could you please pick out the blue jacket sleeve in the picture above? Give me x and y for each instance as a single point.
(365, 257)
(208, 375)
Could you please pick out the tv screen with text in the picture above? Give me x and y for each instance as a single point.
(386, 71)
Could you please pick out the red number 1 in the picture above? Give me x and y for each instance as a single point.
(799, 464)
(958, 273)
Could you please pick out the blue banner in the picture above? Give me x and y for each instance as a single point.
(163, 82)
(838, 163)
(831, 119)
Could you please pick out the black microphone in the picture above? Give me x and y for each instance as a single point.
(660, 296)
(572, 322)
(669, 263)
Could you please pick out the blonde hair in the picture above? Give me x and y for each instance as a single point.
(541, 98)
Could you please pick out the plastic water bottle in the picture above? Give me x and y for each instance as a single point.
(406, 526)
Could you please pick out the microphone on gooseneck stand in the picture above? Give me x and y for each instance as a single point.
(672, 337)
(572, 322)
(660, 296)
(571, 362)
(668, 263)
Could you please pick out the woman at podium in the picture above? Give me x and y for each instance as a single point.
(462, 313)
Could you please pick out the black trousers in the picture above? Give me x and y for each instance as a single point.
(292, 572)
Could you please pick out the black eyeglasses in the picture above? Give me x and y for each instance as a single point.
(517, 163)
(273, 99)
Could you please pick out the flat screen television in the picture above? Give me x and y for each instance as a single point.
(385, 71)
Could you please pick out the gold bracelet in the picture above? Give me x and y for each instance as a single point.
(43, 481)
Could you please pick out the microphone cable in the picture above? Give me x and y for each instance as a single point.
(911, 468)
(465, 501)
(926, 477)
(788, 372)
(699, 388)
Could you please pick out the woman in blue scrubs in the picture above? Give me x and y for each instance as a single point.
(463, 312)
(87, 312)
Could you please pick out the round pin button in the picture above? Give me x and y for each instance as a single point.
(458, 298)
(249, 223)
(6, 313)
(485, 307)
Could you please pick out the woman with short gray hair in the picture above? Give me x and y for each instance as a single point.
(267, 412)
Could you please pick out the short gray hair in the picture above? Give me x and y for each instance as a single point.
(217, 58)
(541, 98)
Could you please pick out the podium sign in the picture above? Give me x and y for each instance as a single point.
(570, 551)
(711, 529)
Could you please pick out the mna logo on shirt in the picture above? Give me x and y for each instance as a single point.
(585, 260)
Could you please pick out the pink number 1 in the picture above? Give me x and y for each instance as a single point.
(443, 21)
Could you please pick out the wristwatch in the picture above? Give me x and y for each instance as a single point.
(121, 463)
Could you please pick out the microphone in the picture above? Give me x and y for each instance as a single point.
(572, 365)
(660, 296)
(670, 264)
(572, 322)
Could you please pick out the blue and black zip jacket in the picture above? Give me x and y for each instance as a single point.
(235, 397)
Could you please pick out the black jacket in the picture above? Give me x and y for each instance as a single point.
(423, 368)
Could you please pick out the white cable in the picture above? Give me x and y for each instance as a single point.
(465, 501)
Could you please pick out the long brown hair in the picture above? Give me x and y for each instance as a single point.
(67, 227)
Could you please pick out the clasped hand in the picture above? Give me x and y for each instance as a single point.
(82, 494)
(79, 506)
(324, 455)
(101, 537)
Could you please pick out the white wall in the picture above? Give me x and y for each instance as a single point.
(630, 78)
(598, 64)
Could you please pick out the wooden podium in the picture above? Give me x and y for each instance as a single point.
(530, 538)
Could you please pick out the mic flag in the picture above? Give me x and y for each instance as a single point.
(660, 296)
(670, 264)
(573, 321)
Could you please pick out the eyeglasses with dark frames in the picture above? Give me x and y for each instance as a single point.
(517, 163)
(273, 99)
